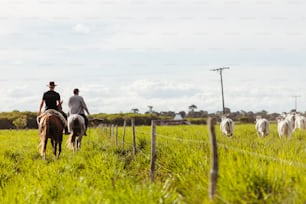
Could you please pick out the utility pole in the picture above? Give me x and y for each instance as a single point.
(295, 101)
(220, 71)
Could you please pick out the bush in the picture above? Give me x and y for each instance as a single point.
(20, 123)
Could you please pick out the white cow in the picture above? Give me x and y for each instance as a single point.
(262, 126)
(284, 127)
(291, 118)
(227, 126)
(300, 122)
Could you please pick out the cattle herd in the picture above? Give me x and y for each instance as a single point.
(286, 124)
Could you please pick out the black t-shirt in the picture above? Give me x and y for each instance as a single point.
(51, 97)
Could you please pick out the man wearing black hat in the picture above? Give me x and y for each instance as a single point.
(52, 100)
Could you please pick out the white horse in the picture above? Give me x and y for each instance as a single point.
(76, 127)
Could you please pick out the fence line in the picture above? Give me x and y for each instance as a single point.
(262, 156)
(182, 139)
(221, 199)
(222, 145)
(214, 146)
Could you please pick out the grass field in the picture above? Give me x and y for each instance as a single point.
(251, 169)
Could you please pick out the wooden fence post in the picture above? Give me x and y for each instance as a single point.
(101, 126)
(134, 136)
(123, 134)
(153, 149)
(116, 140)
(214, 159)
(105, 129)
(112, 131)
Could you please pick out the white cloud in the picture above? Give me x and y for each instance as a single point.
(149, 89)
(81, 28)
(136, 54)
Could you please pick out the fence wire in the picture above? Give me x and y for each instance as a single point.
(225, 146)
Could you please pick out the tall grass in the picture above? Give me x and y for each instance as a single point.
(252, 169)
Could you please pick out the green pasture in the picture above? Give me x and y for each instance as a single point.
(251, 169)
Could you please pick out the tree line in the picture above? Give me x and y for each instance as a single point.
(27, 120)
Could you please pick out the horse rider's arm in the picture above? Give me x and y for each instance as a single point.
(41, 105)
(83, 104)
(86, 109)
(59, 104)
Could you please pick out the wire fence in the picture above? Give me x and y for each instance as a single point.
(220, 145)
(187, 141)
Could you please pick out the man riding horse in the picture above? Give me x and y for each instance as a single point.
(52, 100)
(78, 106)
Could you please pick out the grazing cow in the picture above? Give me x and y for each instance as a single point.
(291, 118)
(284, 127)
(227, 126)
(262, 127)
(300, 122)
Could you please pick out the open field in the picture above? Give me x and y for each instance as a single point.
(251, 169)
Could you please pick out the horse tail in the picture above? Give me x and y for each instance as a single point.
(44, 126)
(73, 124)
(76, 122)
(71, 141)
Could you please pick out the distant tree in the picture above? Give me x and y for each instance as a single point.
(273, 116)
(235, 115)
(192, 107)
(250, 113)
(262, 113)
(219, 113)
(20, 123)
(243, 113)
(135, 110)
(183, 114)
(227, 110)
(167, 113)
(203, 114)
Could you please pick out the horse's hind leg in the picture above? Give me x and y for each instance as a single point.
(59, 148)
(79, 142)
(43, 148)
(54, 147)
(74, 141)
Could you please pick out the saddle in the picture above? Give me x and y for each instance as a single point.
(52, 112)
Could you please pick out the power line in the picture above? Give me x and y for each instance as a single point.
(220, 71)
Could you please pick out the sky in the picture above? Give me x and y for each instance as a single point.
(138, 53)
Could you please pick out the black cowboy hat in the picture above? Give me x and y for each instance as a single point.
(52, 84)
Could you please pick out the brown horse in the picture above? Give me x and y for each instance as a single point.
(51, 125)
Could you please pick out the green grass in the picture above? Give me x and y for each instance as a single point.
(251, 169)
